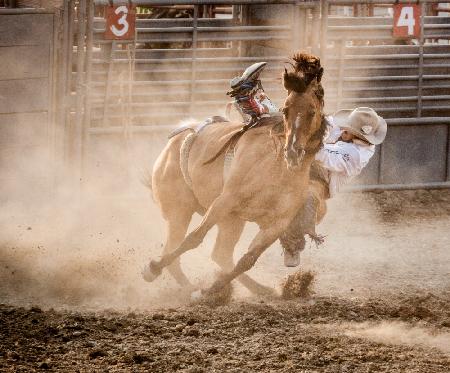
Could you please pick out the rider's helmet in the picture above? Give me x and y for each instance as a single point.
(363, 122)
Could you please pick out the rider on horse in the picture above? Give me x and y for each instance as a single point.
(347, 149)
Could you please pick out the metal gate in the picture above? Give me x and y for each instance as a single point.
(180, 67)
(175, 68)
(407, 82)
(27, 105)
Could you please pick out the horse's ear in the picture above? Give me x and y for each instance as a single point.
(292, 82)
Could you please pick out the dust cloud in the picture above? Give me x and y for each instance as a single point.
(401, 333)
(89, 253)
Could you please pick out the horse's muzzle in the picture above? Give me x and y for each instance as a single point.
(294, 156)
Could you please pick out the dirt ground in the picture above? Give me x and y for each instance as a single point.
(380, 297)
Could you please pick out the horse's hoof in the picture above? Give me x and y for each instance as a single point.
(149, 273)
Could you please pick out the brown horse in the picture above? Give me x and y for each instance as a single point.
(260, 187)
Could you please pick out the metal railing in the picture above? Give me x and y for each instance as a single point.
(179, 67)
(407, 84)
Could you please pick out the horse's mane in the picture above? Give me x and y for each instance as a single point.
(306, 68)
(309, 65)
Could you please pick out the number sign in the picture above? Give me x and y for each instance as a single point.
(120, 22)
(406, 21)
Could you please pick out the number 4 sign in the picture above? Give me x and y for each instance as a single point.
(406, 21)
(120, 22)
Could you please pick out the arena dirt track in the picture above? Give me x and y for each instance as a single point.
(367, 314)
(316, 335)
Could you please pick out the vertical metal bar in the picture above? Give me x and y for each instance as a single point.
(245, 20)
(62, 73)
(194, 58)
(323, 29)
(447, 168)
(68, 130)
(235, 45)
(315, 27)
(304, 27)
(78, 140)
(380, 178)
(421, 47)
(53, 90)
(108, 82)
(340, 88)
(87, 87)
(296, 30)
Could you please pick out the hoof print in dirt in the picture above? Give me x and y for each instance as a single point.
(191, 331)
(96, 353)
(44, 365)
(138, 358)
(212, 351)
(298, 285)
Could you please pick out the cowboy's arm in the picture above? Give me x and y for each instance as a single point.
(333, 131)
(344, 160)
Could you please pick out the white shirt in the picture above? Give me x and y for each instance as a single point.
(343, 160)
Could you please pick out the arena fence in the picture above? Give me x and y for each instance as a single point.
(28, 102)
(183, 56)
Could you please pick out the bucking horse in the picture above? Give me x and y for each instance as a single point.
(260, 183)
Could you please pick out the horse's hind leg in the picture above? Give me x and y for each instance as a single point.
(230, 231)
(218, 209)
(177, 226)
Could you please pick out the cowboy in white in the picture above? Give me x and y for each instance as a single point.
(348, 148)
(350, 144)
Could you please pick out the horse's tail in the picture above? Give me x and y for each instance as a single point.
(230, 142)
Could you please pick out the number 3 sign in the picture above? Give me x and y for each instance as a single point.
(120, 22)
(406, 21)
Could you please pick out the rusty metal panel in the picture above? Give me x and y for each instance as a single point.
(23, 62)
(24, 95)
(415, 154)
(26, 29)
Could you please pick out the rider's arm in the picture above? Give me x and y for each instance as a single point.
(333, 131)
(342, 158)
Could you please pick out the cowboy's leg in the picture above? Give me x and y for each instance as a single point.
(313, 211)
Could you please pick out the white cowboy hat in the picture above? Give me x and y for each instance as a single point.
(363, 122)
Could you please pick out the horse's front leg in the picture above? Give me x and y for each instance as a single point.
(264, 238)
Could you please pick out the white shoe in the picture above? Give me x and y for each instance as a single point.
(291, 259)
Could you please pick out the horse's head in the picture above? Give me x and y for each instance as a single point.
(303, 109)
